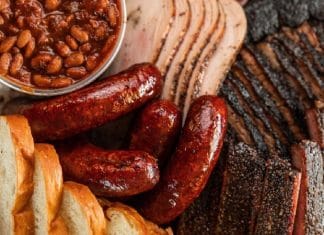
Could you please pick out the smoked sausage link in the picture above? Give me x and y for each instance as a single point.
(110, 173)
(157, 129)
(93, 106)
(187, 172)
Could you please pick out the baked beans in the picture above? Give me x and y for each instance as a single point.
(55, 43)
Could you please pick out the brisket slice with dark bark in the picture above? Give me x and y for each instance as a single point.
(242, 187)
(308, 158)
(263, 97)
(232, 99)
(279, 199)
(277, 92)
(257, 113)
(318, 28)
(289, 64)
(279, 82)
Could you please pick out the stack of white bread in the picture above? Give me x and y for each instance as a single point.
(34, 199)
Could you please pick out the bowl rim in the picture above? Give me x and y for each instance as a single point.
(34, 91)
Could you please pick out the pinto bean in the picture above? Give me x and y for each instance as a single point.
(2, 21)
(7, 44)
(112, 15)
(61, 82)
(52, 4)
(91, 62)
(5, 61)
(42, 81)
(62, 49)
(85, 48)
(24, 38)
(71, 42)
(54, 66)
(21, 22)
(74, 60)
(29, 50)
(16, 64)
(2, 35)
(41, 61)
(76, 72)
(79, 34)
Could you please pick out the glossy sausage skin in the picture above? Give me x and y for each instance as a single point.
(187, 172)
(156, 129)
(67, 115)
(109, 173)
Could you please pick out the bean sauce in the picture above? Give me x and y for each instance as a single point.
(55, 43)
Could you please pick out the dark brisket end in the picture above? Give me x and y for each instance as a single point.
(242, 186)
(262, 17)
(292, 12)
(317, 9)
(279, 199)
(265, 17)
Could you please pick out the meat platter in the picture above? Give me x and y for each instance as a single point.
(209, 120)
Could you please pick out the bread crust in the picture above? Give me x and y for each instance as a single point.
(48, 161)
(24, 147)
(25, 222)
(142, 226)
(90, 206)
(58, 227)
(24, 157)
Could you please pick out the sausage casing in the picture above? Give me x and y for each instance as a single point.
(156, 129)
(109, 173)
(188, 170)
(93, 106)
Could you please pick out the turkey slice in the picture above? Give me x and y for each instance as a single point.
(148, 24)
(197, 12)
(178, 30)
(210, 80)
(207, 30)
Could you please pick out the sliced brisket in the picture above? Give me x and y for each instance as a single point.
(242, 187)
(308, 158)
(279, 199)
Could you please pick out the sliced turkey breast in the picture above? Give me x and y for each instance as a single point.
(210, 80)
(197, 12)
(178, 31)
(205, 56)
(147, 28)
(205, 33)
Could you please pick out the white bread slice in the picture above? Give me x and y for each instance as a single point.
(48, 187)
(81, 211)
(124, 220)
(16, 173)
